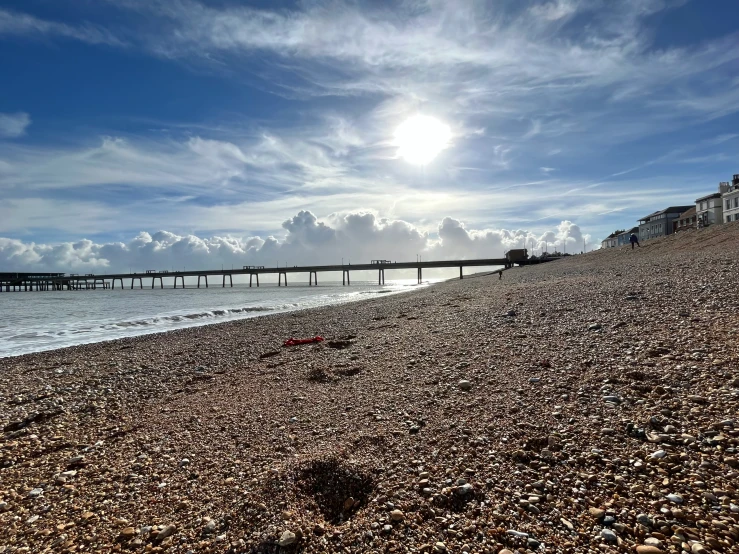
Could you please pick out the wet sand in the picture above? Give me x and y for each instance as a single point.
(589, 404)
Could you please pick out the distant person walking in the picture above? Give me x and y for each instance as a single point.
(634, 240)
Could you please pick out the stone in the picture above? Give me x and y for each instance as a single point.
(608, 535)
(658, 454)
(287, 538)
(676, 498)
(519, 534)
(128, 532)
(397, 516)
(646, 549)
(698, 548)
(644, 519)
(652, 541)
(439, 548)
(465, 385)
(36, 493)
(594, 327)
(348, 504)
(597, 513)
(166, 532)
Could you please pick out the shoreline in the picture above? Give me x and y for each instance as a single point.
(534, 412)
(255, 313)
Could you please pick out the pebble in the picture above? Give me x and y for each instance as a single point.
(465, 385)
(658, 454)
(609, 535)
(166, 532)
(676, 498)
(36, 493)
(597, 513)
(287, 538)
(644, 519)
(397, 515)
(646, 549)
(439, 548)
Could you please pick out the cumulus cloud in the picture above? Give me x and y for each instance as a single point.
(13, 125)
(357, 237)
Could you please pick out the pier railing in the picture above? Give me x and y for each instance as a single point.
(90, 281)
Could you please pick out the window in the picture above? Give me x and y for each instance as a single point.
(728, 204)
(736, 201)
(728, 218)
(736, 217)
(703, 205)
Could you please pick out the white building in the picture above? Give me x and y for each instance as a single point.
(709, 209)
(730, 199)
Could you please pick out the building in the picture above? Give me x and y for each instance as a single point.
(730, 199)
(687, 220)
(709, 209)
(610, 240)
(659, 224)
(625, 237)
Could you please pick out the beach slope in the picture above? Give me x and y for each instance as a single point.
(588, 404)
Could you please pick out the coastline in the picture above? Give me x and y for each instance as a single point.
(450, 417)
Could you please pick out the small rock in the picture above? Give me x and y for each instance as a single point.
(646, 549)
(184, 462)
(287, 538)
(597, 513)
(643, 519)
(348, 504)
(698, 548)
(676, 498)
(658, 454)
(166, 532)
(465, 385)
(397, 515)
(439, 548)
(608, 535)
(594, 327)
(519, 534)
(128, 533)
(36, 493)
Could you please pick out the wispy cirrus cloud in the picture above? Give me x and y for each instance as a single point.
(13, 125)
(19, 24)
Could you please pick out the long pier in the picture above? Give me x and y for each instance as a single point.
(91, 281)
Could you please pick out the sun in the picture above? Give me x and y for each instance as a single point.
(420, 139)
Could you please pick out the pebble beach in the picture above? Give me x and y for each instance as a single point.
(589, 404)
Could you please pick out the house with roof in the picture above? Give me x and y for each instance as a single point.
(709, 209)
(687, 220)
(730, 199)
(659, 224)
(625, 237)
(610, 240)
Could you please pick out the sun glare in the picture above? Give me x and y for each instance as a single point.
(420, 139)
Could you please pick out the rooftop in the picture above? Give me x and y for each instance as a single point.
(670, 210)
(713, 195)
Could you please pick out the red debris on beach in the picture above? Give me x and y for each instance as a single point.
(295, 342)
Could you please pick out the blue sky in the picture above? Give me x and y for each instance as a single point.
(204, 124)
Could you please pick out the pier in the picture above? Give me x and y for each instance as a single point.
(26, 282)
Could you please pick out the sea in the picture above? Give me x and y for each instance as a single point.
(38, 321)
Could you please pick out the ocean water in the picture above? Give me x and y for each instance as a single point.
(37, 321)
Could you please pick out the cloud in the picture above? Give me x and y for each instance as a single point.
(13, 125)
(359, 237)
(26, 25)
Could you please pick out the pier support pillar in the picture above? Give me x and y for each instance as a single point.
(183, 280)
(133, 279)
(460, 272)
(206, 280)
(420, 275)
(312, 276)
(161, 282)
(279, 278)
(345, 280)
(381, 277)
(230, 278)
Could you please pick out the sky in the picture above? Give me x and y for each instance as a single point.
(197, 133)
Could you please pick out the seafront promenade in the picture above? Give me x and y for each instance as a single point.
(587, 405)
